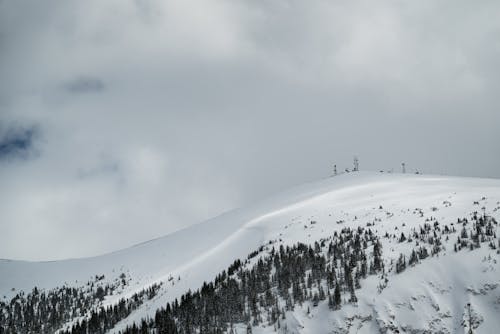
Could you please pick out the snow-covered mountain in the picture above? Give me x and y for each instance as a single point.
(449, 291)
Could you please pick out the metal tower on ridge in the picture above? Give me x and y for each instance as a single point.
(356, 164)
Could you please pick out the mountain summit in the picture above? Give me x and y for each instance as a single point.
(360, 252)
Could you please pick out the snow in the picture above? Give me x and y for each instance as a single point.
(430, 296)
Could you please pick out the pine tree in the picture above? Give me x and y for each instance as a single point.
(337, 299)
(413, 258)
(353, 298)
(401, 263)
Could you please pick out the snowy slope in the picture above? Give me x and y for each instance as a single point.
(183, 260)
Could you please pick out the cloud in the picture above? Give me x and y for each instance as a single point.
(16, 143)
(85, 85)
(159, 114)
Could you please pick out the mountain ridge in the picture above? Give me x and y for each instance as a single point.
(183, 260)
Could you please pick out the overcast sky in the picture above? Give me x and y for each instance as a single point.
(121, 121)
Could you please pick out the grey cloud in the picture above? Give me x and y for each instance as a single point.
(17, 142)
(85, 85)
(175, 111)
(104, 168)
